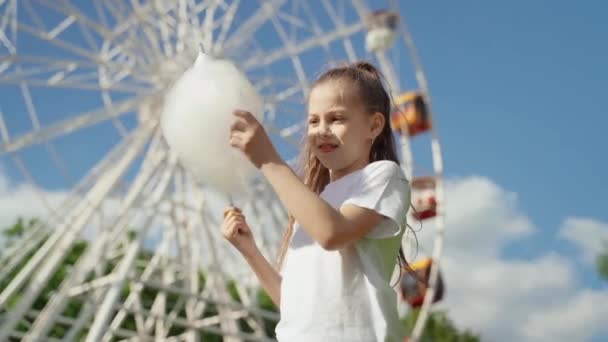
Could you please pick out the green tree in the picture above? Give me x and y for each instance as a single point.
(439, 328)
(17, 230)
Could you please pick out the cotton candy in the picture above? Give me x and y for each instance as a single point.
(196, 119)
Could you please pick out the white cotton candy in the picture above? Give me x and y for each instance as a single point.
(196, 121)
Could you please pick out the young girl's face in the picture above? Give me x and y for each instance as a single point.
(339, 130)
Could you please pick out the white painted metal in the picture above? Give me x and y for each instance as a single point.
(92, 256)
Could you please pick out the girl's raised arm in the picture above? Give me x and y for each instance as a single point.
(331, 228)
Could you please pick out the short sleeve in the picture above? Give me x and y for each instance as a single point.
(383, 187)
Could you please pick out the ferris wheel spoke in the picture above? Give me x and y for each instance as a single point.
(46, 36)
(33, 15)
(109, 105)
(116, 8)
(31, 109)
(158, 23)
(250, 26)
(6, 42)
(68, 73)
(85, 23)
(77, 84)
(339, 23)
(157, 10)
(8, 25)
(60, 64)
(285, 133)
(295, 58)
(293, 19)
(226, 21)
(69, 125)
(74, 15)
(206, 28)
(160, 27)
(283, 95)
(174, 24)
(300, 47)
(388, 71)
(316, 27)
(100, 12)
(307, 22)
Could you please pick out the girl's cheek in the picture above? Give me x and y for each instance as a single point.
(310, 135)
(312, 132)
(338, 130)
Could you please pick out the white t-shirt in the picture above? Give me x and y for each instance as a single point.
(346, 295)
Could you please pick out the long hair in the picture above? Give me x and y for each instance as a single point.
(367, 80)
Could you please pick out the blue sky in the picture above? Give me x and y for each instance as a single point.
(517, 89)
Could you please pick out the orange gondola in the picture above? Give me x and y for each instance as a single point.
(414, 286)
(411, 114)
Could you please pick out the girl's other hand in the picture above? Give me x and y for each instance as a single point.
(236, 230)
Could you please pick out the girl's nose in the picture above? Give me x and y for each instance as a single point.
(324, 129)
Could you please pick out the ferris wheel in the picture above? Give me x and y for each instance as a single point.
(81, 89)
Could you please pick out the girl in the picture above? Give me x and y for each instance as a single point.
(347, 217)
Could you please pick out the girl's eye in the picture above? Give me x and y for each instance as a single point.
(312, 121)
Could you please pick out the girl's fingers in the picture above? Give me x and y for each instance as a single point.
(235, 223)
(239, 125)
(233, 220)
(232, 213)
(235, 141)
(245, 116)
(231, 209)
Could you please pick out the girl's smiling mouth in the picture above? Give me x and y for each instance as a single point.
(327, 147)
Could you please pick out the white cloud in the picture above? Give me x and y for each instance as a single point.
(590, 236)
(508, 299)
(24, 200)
(587, 310)
(27, 201)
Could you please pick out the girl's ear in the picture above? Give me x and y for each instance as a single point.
(377, 124)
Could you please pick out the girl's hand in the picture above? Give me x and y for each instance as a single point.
(236, 230)
(248, 135)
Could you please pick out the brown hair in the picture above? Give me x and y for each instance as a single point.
(368, 82)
